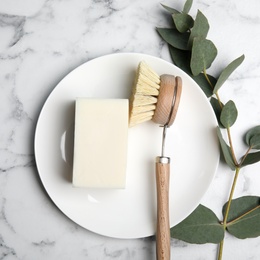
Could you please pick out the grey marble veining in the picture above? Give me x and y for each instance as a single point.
(40, 42)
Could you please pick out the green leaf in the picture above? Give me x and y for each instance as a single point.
(174, 38)
(203, 54)
(200, 28)
(204, 84)
(228, 114)
(183, 22)
(252, 137)
(181, 58)
(244, 217)
(226, 151)
(200, 227)
(227, 72)
(217, 109)
(170, 9)
(187, 6)
(251, 158)
(254, 142)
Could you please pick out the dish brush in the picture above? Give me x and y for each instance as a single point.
(157, 98)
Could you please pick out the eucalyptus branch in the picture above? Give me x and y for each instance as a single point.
(219, 101)
(231, 146)
(191, 51)
(224, 223)
(228, 128)
(244, 157)
(207, 78)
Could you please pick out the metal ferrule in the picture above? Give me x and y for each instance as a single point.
(163, 160)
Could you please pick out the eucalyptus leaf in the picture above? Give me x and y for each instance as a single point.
(227, 72)
(244, 217)
(181, 58)
(203, 54)
(204, 84)
(226, 151)
(228, 114)
(217, 109)
(254, 142)
(170, 9)
(183, 22)
(200, 28)
(187, 6)
(174, 38)
(251, 158)
(250, 141)
(200, 227)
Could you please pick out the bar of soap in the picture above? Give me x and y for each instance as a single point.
(100, 143)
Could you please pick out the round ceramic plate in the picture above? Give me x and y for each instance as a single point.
(129, 213)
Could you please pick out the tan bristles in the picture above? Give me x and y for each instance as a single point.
(144, 95)
(140, 100)
(140, 118)
(143, 109)
(149, 73)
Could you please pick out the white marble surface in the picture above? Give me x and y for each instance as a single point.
(40, 42)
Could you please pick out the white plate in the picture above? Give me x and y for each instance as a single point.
(131, 213)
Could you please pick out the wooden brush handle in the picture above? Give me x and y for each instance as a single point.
(163, 246)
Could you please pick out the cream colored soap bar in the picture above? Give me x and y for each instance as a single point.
(100, 143)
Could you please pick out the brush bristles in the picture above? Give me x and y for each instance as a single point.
(144, 95)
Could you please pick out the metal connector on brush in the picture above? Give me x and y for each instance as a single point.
(163, 159)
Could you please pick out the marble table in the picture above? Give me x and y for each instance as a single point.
(40, 42)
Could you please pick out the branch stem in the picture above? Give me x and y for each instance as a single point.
(219, 101)
(244, 157)
(221, 245)
(207, 78)
(231, 147)
(228, 129)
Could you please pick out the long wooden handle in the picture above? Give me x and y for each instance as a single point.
(163, 247)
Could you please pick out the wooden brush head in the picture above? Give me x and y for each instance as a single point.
(168, 100)
(154, 97)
